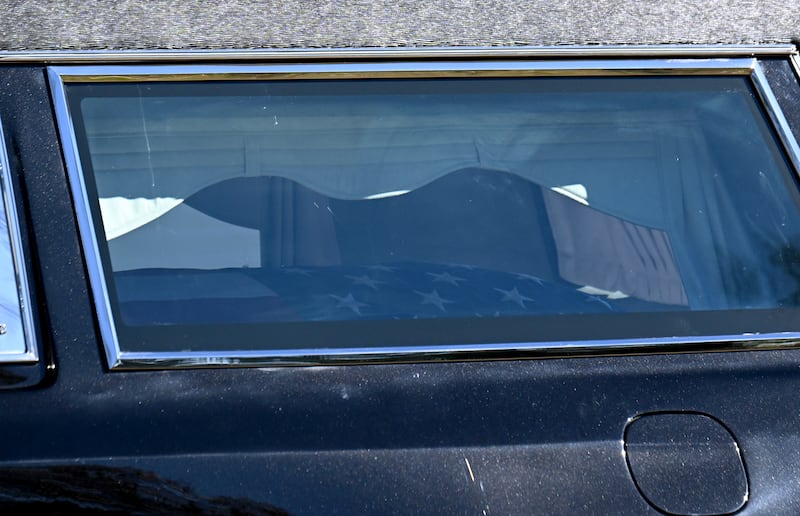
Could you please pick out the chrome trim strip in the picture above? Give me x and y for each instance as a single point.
(465, 353)
(120, 360)
(404, 69)
(88, 237)
(13, 237)
(785, 133)
(411, 53)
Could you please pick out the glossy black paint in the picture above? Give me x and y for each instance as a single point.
(543, 434)
(500, 437)
(783, 80)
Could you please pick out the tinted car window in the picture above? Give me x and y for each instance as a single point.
(321, 213)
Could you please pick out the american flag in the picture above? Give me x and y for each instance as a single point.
(385, 291)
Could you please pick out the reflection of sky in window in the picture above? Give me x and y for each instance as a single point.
(14, 340)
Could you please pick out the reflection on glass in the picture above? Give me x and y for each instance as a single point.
(13, 344)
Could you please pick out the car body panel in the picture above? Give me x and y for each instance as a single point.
(511, 435)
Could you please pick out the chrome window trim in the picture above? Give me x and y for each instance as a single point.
(795, 60)
(31, 350)
(402, 69)
(395, 53)
(472, 353)
(60, 76)
(88, 236)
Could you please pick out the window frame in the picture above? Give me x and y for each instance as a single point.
(62, 75)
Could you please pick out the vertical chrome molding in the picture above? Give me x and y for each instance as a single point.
(26, 350)
(776, 115)
(795, 60)
(89, 239)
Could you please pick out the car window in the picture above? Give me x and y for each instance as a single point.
(337, 212)
(17, 343)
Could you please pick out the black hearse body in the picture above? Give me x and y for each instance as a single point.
(376, 258)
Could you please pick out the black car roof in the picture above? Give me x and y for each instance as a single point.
(245, 24)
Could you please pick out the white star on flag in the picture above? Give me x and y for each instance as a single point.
(434, 299)
(445, 277)
(601, 301)
(530, 277)
(514, 296)
(366, 281)
(348, 301)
